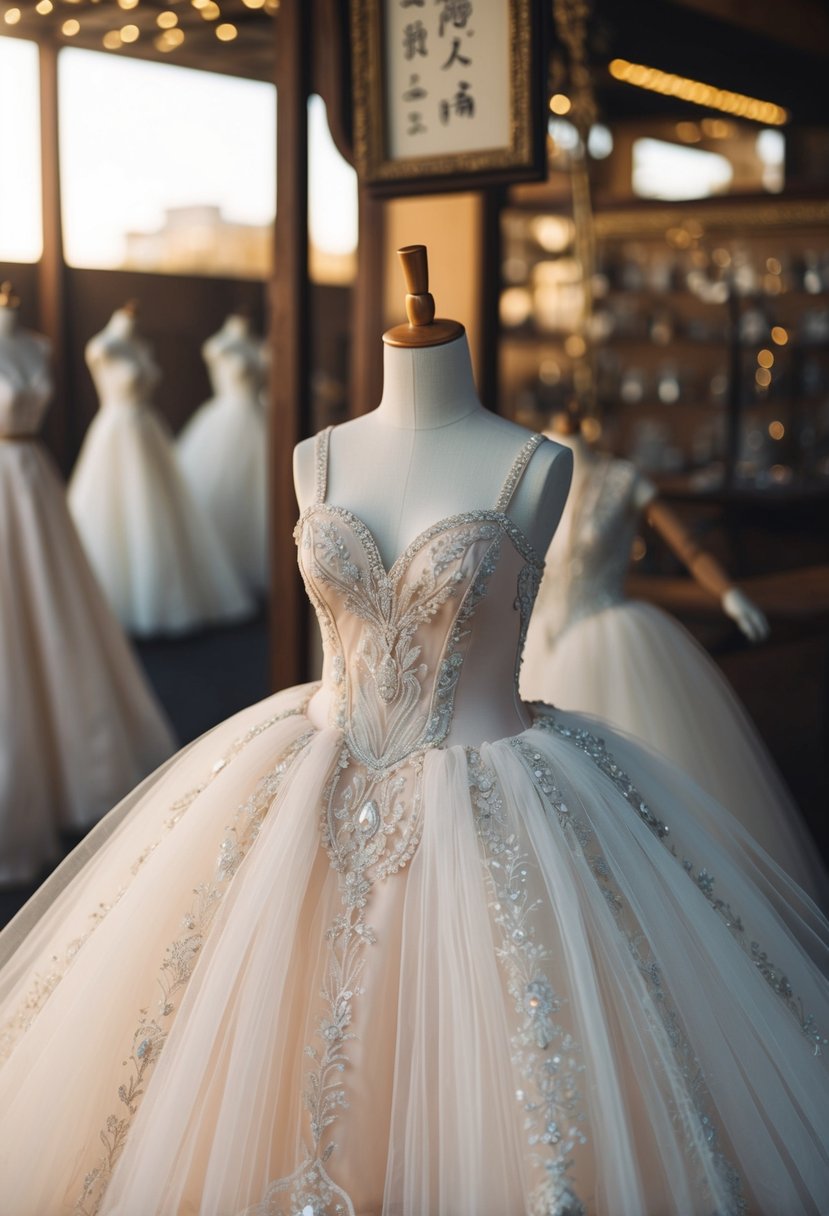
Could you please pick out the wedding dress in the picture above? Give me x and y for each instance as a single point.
(593, 650)
(222, 451)
(156, 555)
(342, 956)
(78, 723)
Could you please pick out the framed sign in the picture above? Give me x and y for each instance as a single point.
(448, 94)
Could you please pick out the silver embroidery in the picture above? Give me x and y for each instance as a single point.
(517, 471)
(175, 972)
(595, 747)
(716, 1173)
(544, 1054)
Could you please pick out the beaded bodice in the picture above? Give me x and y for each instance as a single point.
(588, 558)
(25, 384)
(398, 639)
(123, 369)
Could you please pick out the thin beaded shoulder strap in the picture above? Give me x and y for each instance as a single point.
(517, 472)
(321, 445)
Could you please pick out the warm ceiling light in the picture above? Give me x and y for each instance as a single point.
(43, 7)
(699, 94)
(11, 16)
(560, 104)
(70, 28)
(112, 40)
(765, 358)
(168, 41)
(209, 11)
(226, 32)
(130, 33)
(776, 429)
(127, 4)
(199, 3)
(254, 3)
(762, 377)
(779, 335)
(166, 20)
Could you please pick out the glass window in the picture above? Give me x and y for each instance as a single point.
(669, 171)
(21, 217)
(332, 203)
(175, 173)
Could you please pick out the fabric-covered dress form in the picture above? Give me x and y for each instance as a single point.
(79, 725)
(591, 649)
(155, 553)
(222, 450)
(386, 944)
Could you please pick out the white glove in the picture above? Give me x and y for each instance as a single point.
(750, 620)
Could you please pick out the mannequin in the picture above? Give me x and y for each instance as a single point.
(363, 964)
(590, 649)
(222, 450)
(156, 554)
(78, 723)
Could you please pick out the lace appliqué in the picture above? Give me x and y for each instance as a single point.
(717, 1174)
(595, 747)
(544, 1054)
(44, 985)
(175, 972)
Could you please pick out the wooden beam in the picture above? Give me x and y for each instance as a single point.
(366, 375)
(289, 340)
(52, 309)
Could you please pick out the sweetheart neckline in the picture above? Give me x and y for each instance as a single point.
(391, 573)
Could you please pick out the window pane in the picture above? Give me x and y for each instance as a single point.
(668, 171)
(21, 218)
(332, 203)
(165, 168)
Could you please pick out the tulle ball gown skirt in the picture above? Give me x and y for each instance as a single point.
(635, 666)
(157, 556)
(547, 974)
(78, 723)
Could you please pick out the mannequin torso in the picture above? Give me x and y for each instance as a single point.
(235, 361)
(121, 363)
(430, 450)
(25, 381)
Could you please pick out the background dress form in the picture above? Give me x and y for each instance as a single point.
(155, 553)
(78, 723)
(591, 649)
(222, 450)
(354, 958)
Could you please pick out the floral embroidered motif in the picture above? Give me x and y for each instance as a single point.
(544, 1054)
(175, 972)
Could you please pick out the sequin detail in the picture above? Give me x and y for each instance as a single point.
(716, 1173)
(545, 1057)
(596, 749)
(174, 974)
(44, 985)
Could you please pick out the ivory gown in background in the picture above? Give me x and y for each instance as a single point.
(389, 945)
(155, 553)
(590, 648)
(223, 449)
(79, 725)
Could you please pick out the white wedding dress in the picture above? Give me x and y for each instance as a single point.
(591, 649)
(79, 725)
(156, 555)
(223, 452)
(344, 956)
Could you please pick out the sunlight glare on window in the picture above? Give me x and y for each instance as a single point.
(175, 174)
(21, 217)
(671, 171)
(332, 203)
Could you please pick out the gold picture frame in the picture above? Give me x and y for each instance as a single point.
(438, 141)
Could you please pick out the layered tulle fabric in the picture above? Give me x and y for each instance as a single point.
(635, 666)
(157, 556)
(222, 452)
(79, 725)
(571, 996)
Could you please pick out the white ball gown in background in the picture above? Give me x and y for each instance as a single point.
(223, 449)
(156, 554)
(79, 725)
(343, 956)
(591, 649)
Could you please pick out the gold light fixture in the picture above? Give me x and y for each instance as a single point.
(694, 91)
(70, 28)
(226, 32)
